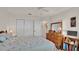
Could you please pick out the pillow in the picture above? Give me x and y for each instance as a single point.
(2, 38)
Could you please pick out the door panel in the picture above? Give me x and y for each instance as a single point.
(20, 27)
(28, 27)
(37, 28)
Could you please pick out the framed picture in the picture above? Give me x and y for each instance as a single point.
(73, 21)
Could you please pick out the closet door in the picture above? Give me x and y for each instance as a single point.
(37, 28)
(28, 27)
(20, 27)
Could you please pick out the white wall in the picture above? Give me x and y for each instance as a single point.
(8, 21)
(65, 17)
(4, 20)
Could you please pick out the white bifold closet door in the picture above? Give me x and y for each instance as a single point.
(28, 27)
(20, 27)
(33, 27)
(37, 28)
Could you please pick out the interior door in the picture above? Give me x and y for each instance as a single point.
(20, 27)
(37, 28)
(28, 27)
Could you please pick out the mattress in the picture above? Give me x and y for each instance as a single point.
(27, 44)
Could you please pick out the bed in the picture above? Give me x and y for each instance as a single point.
(27, 44)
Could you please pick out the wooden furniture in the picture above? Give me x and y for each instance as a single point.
(56, 38)
(55, 34)
(72, 42)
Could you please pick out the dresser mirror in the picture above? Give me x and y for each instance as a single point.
(56, 26)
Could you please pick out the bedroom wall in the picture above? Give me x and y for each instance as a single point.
(65, 17)
(4, 20)
(42, 21)
(8, 22)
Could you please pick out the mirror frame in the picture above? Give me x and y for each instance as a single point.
(57, 23)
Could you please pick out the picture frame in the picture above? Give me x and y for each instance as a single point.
(73, 22)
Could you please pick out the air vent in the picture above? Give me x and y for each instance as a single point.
(29, 14)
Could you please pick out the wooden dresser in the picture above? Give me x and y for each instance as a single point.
(56, 38)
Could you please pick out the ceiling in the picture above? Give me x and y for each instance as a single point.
(33, 11)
